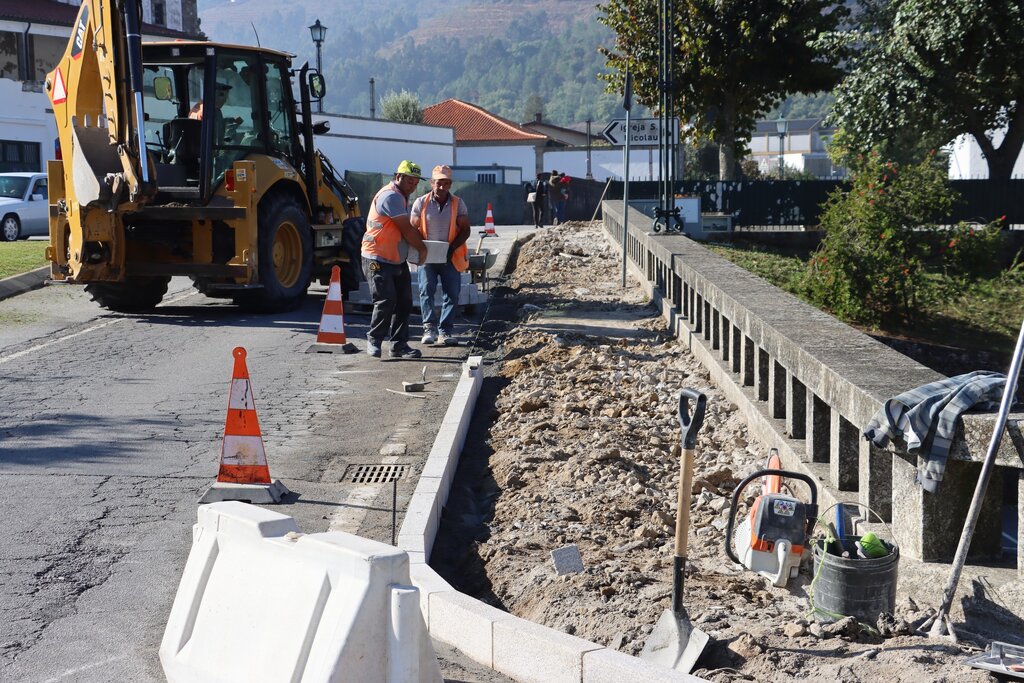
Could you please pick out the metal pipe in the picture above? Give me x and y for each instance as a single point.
(133, 37)
(979, 491)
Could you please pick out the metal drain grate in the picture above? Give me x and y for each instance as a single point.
(377, 474)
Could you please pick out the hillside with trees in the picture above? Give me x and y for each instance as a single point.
(507, 57)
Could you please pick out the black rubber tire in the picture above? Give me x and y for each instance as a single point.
(281, 212)
(10, 232)
(134, 295)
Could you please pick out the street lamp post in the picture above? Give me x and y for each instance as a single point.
(373, 100)
(782, 125)
(318, 31)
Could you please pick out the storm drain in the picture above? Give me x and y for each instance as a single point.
(376, 474)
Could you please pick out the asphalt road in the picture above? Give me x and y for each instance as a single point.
(110, 430)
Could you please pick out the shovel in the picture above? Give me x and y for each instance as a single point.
(675, 642)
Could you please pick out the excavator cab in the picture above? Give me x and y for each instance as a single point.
(248, 96)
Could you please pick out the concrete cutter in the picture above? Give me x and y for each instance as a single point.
(772, 537)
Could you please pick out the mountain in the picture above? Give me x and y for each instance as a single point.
(504, 56)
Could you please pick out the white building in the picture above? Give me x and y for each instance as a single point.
(803, 146)
(355, 143)
(33, 36)
(966, 162)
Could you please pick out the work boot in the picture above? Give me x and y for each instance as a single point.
(403, 350)
(447, 339)
(429, 336)
(372, 348)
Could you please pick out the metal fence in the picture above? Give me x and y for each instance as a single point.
(800, 202)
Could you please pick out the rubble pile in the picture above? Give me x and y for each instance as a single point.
(586, 452)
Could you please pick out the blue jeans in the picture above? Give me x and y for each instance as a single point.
(451, 284)
(391, 293)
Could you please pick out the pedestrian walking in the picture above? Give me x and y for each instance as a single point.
(537, 198)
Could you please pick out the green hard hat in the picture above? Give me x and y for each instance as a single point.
(409, 168)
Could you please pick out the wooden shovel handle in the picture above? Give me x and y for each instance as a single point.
(683, 501)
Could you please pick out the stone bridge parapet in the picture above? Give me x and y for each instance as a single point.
(809, 383)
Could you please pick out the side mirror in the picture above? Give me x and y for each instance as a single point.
(317, 85)
(162, 88)
(321, 127)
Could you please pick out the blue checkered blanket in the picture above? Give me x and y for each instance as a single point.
(926, 418)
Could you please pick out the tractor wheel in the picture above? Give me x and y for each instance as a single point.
(285, 256)
(134, 295)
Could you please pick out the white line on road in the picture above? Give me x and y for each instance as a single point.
(39, 347)
(80, 669)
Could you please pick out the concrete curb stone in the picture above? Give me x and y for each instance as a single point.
(25, 282)
(520, 649)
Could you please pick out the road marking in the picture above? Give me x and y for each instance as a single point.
(80, 669)
(114, 321)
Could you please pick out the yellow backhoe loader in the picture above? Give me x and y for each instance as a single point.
(190, 158)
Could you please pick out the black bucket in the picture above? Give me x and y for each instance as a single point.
(854, 586)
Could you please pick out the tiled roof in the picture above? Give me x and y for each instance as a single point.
(61, 14)
(475, 124)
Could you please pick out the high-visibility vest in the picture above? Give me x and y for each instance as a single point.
(459, 259)
(382, 234)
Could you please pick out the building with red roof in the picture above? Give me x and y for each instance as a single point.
(488, 147)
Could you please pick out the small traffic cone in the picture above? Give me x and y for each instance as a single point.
(489, 221)
(244, 474)
(331, 336)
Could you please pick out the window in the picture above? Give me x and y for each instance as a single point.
(280, 110)
(489, 178)
(40, 187)
(159, 14)
(19, 156)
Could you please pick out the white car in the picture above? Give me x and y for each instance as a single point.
(24, 206)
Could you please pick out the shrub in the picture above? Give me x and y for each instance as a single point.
(870, 267)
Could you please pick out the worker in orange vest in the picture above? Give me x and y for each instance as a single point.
(385, 250)
(440, 215)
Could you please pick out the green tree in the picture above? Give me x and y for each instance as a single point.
(401, 106)
(734, 60)
(884, 236)
(927, 71)
(534, 105)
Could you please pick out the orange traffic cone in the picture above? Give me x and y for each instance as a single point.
(244, 474)
(489, 221)
(331, 336)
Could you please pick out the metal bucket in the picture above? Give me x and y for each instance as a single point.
(854, 586)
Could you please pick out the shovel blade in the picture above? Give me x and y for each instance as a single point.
(675, 642)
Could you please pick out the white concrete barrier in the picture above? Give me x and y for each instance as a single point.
(259, 601)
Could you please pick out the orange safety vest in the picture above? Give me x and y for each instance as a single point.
(382, 234)
(459, 259)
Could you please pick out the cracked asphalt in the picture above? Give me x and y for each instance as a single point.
(110, 430)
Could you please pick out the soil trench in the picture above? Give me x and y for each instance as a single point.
(575, 441)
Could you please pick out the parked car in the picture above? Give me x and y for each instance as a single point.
(23, 206)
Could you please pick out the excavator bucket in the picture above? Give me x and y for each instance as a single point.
(93, 158)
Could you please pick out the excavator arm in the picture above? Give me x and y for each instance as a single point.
(96, 93)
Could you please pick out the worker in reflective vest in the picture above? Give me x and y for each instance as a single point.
(443, 217)
(385, 250)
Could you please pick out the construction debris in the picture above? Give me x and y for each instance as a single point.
(585, 445)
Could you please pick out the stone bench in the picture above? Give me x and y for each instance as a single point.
(809, 383)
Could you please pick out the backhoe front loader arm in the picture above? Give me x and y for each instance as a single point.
(96, 92)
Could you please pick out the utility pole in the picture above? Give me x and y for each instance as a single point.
(590, 176)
